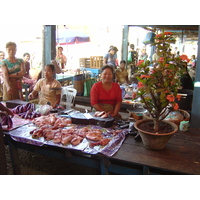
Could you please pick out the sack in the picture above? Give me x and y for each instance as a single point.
(87, 86)
(149, 38)
(129, 58)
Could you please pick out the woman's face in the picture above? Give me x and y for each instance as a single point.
(122, 65)
(26, 58)
(2, 56)
(11, 50)
(113, 52)
(107, 75)
(48, 73)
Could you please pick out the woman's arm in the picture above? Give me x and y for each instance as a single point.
(116, 110)
(3, 108)
(19, 74)
(32, 94)
(57, 68)
(6, 79)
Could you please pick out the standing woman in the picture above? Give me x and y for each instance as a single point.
(61, 58)
(106, 95)
(48, 88)
(13, 71)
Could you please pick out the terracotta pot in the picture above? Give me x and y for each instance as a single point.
(155, 141)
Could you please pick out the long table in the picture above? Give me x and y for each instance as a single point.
(180, 156)
(81, 100)
(64, 77)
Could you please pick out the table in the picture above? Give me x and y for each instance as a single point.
(180, 156)
(81, 100)
(64, 77)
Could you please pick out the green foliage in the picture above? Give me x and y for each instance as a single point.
(158, 86)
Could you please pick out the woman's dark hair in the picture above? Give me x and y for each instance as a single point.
(52, 67)
(107, 67)
(113, 48)
(122, 61)
(11, 44)
(60, 48)
(26, 54)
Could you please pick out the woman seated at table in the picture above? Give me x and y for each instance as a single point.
(121, 73)
(48, 88)
(106, 95)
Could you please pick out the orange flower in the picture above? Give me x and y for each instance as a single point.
(140, 62)
(167, 33)
(176, 106)
(170, 98)
(140, 85)
(161, 59)
(178, 97)
(145, 76)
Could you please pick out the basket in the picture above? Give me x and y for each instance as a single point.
(84, 62)
(185, 114)
(96, 62)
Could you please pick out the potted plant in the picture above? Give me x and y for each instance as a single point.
(158, 90)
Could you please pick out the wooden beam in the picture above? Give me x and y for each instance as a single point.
(195, 114)
(125, 43)
(49, 50)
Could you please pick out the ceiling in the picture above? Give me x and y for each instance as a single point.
(188, 32)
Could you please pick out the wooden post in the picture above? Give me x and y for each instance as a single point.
(195, 114)
(125, 43)
(49, 43)
(3, 165)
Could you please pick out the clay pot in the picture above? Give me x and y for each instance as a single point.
(155, 141)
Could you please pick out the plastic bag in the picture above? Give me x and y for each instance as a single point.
(44, 109)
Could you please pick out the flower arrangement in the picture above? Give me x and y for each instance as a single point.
(158, 85)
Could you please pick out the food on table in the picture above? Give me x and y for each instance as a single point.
(37, 133)
(76, 140)
(105, 115)
(66, 139)
(99, 113)
(94, 134)
(53, 120)
(102, 142)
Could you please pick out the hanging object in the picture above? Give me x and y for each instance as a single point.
(71, 36)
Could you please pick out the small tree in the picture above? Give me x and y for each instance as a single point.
(158, 86)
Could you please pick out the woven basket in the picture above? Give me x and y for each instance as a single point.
(177, 122)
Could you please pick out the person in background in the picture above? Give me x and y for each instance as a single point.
(121, 73)
(155, 57)
(61, 58)
(48, 89)
(110, 58)
(106, 95)
(27, 78)
(144, 55)
(2, 56)
(13, 70)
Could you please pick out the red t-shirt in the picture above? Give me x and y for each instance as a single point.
(99, 95)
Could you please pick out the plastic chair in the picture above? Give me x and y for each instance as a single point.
(70, 94)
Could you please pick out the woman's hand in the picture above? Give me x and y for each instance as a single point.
(30, 96)
(9, 90)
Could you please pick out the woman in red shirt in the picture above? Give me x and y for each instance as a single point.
(106, 95)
